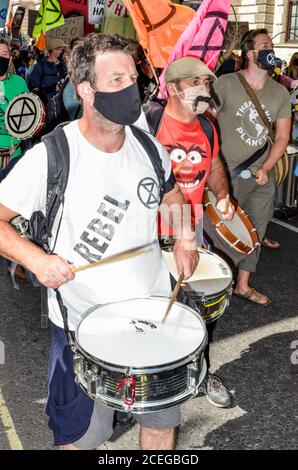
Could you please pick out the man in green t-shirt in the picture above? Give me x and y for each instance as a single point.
(243, 133)
(11, 85)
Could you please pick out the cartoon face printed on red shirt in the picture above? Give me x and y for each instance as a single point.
(191, 158)
(188, 165)
(190, 154)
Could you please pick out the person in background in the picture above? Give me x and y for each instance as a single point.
(45, 76)
(11, 85)
(243, 133)
(292, 70)
(229, 65)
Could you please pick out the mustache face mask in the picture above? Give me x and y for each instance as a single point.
(196, 99)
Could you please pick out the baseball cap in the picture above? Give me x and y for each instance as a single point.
(52, 43)
(187, 67)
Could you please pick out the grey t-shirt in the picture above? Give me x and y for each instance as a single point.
(242, 131)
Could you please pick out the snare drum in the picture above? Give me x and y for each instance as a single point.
(127, 359)
(237, 237)
(210, 286)
(24, 116)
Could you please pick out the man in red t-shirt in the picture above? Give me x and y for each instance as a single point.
(182, 128)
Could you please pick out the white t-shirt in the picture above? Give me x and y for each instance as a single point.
(111, 204)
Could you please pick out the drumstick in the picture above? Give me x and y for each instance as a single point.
(227, 203)
(173, 296)
(114, 258)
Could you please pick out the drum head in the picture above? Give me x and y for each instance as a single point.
(24, 115)
(130, 333)
(236, 225)
(211, 276)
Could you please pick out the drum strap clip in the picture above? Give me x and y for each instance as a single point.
(64, 314)
(130, 389)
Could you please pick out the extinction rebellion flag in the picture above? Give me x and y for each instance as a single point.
(49, 16)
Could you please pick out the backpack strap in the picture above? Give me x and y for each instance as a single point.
(208, 129)
(154, 156)
(58, 169)
(154, 114)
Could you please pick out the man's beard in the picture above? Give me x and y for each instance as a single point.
(105, 125)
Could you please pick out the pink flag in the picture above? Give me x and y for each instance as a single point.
(203, 37)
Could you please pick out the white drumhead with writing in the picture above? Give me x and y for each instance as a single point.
(212, 274)
(130, 333)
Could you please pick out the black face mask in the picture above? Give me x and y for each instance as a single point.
(295, 62)
(4, 63)
(266, 59)
(122, 107)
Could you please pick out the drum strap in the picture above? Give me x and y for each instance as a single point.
(248, 162)
(64, 315)
(153, 154)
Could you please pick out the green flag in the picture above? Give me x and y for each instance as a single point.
(48, 17)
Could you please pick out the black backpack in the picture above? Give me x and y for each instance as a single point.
(58, 169)
(56, 113)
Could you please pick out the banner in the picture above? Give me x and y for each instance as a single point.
(159, 24)
(9, 18)
(32, 15)
(72, 8)
(17, 22)
(238, 29)
(117, 20)
(3, 12)
(49, 16)
(96, 11)
(204, 36)
(72, 28)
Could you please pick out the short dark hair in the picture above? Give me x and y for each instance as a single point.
(82, 59)
(6, 43)
(248, 44)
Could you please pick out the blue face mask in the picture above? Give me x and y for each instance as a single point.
(266, 59)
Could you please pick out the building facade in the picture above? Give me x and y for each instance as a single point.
(280, 17)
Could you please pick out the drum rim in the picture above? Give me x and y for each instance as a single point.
(148, 369)
(208, 297)
(225, 232)
(213, 255)
(38, 125)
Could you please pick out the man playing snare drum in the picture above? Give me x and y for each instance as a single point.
(192, 142)
(111, 204)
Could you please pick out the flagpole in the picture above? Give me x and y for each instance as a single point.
(151, 66)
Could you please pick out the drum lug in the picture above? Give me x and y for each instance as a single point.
(93, 383)
(193, 375)
(127, 388)
(77, 367)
